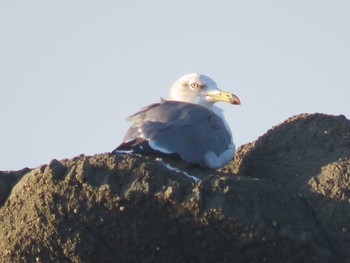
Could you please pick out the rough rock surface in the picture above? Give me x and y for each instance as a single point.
(284, 198)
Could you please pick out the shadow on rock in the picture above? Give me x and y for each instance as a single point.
(310, 154)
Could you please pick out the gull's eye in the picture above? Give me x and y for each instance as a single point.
(194, 85)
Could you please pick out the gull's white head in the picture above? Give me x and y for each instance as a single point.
(200, 89)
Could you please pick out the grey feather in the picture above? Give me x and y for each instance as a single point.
(187, 129)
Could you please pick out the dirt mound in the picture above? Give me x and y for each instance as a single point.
(289, 202)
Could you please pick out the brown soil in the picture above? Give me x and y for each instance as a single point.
(284, 198)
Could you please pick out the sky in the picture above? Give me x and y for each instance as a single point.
(72, 71)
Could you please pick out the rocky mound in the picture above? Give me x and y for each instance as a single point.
(284, 198)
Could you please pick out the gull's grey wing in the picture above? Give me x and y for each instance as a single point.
(171, 127)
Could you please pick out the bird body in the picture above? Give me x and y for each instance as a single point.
(187, 126)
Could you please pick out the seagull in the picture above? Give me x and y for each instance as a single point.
(187, 126)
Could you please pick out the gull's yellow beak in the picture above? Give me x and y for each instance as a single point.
(220, 95)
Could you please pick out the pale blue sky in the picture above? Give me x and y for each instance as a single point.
(71, 71)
